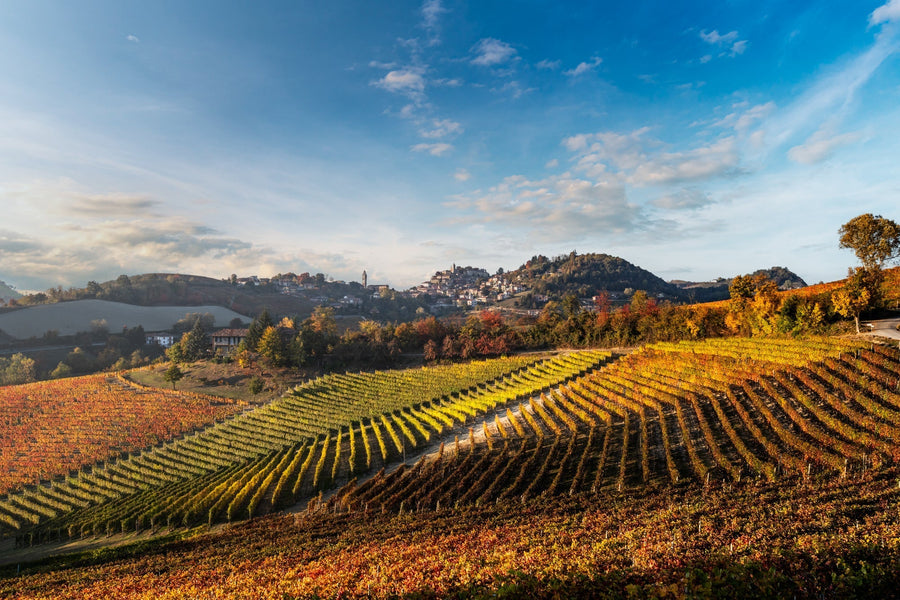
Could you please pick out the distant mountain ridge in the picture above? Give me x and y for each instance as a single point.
(711, 291)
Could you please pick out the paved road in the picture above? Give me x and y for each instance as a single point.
(882, 328)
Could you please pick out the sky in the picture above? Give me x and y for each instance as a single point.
(218, 137)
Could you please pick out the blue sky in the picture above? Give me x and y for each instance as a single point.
(400, 137)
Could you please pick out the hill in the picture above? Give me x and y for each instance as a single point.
(712, 291)
(68, 318)
(7, 293)
(586, 275)
(727, 466)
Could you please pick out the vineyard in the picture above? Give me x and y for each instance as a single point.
(719, 410)
(321, 433)
(749, 466)
(50, 428)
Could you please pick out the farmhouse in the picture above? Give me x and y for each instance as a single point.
(163, 339)
(228, 339)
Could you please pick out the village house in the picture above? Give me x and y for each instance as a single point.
(164, 340)
(226, 340)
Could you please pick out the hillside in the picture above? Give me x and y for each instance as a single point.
(587, 275)
(727, 466)
(66, 424)
(7, 293)
(712, 291)
(68, 318)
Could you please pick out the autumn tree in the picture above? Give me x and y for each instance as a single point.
(273, 348)
(873, 238)
(256, 329)
(855, 297)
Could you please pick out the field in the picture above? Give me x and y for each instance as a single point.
(69, 318)
(761, 467)
(50, 428)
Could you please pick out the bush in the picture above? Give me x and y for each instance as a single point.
(255, 386)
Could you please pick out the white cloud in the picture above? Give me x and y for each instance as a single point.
(514, 88)
(739, 47)
(133, 38)
(552, 164)
(728, 41)
(490, 52)
(462, 175)
(886, 13)
(548, 65)
(441, 128)
(683, 199)
(717, 39)
(438, 149)
(820, 146)
(584, 67)
(553, 209)
(639, 160)
(431, 12)
(743, 118)
(408, 81)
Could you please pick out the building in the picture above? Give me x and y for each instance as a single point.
(227, 340)
(166, 340)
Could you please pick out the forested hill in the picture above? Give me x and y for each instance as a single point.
(586, 275)
(171, 289)
(711, 291)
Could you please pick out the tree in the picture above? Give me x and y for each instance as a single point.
(257, 328)
(855, 297)
(173, 374)
(873, 238)
(195, 343)
(272, 347)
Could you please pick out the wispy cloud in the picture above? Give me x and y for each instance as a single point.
(683, 199)
(462, 175)
(729, 42)
(886, 13)
(820, 146)
(826, 100)
(548, 65)
(431, 14)
(440, 128)
(133, 38)
(107, 205)
(438, 149)
(716, 39)
(584, 67)
(490, 52)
